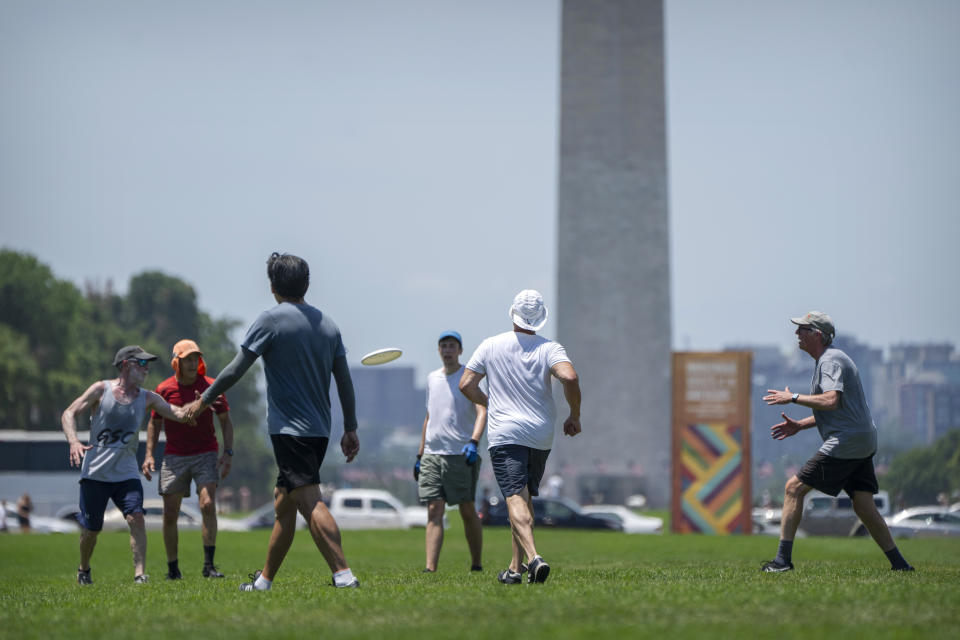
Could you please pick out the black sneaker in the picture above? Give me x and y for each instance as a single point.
(353, 584)
(476, 567)
(904, 568)
(174, 575)
(538, 571)
(248, 586)
(83, 577)
(775, 567)
(509, 577)
(210, 571)
(142, 579)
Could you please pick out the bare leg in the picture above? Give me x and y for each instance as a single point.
(792, 507)
(866, 510)
(208, 509)
(434, 533)
(323, 528)
(520, 508)
(88, 540)
(284, 527)
(171, 511)
(473, 530)
(138, 542)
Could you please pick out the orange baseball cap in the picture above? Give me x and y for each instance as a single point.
(185, 348)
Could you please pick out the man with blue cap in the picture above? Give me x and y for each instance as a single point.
(448, 465)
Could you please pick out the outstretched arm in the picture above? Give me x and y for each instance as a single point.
(827, 401)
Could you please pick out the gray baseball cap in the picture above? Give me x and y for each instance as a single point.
(132, 352)
(819, 321)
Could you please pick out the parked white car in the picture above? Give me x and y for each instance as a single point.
(927, 522)
(189, 517)
(375, 509)
(42, 524)
(630, 522)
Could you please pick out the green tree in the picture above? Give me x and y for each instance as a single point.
(918, 476)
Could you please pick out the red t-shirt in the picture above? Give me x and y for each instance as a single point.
(184, 439)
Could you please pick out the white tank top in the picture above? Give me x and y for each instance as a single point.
(115, 436)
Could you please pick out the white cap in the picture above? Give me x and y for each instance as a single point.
(528, 311)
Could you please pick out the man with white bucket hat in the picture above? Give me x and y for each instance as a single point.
(518, 365)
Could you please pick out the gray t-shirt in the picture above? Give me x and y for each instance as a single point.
(115, 437)
(848, 431)
(298, 344)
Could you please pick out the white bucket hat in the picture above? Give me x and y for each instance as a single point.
(528, 311)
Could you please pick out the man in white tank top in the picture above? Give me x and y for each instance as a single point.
(109, 471)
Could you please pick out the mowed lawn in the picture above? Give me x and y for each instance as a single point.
(603, 585)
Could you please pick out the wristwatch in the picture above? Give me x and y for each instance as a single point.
(795, 397)
(229, 452)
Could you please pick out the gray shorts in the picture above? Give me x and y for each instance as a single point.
(176, 472)
(448, 478)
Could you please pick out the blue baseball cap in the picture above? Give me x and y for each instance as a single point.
(451, 334)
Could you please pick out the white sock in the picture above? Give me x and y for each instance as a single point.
(262, 584)
(343, 578)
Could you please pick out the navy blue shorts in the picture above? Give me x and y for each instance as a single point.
(298, 460)
(517, 467)
(832, 475)
(94, 495)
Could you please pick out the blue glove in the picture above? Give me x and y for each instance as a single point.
(416, 470)
(470, 452)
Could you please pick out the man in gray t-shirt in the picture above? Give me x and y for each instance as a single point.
(301, 348)
(845, 460)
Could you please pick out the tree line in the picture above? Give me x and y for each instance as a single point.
(56, 340)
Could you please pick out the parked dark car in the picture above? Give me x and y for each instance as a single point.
(552, 512)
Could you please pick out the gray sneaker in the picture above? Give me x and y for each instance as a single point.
(248, 586)
(353, 584)
(83, 577)
(142, 579)
(509, 577)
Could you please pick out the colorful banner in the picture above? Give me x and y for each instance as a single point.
(711, 443)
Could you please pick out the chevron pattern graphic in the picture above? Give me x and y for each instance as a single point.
(711, 475)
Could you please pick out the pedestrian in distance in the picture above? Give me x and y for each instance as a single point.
(519, 366)
(192, 454)
(108, 465)
(844, 461)
(24, 507)
(448, 465)
(301, 348)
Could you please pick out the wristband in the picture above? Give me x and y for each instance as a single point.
(229, 452)
(474, 442)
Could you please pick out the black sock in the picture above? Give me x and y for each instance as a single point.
(173, 567)
(784, 552)
(208, 554)
(897, 561)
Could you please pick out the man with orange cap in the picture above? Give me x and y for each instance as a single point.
(191, 454)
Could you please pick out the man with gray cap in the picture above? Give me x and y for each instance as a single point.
(518, 365)
(845, 459)
(448, 466)
(119, 409)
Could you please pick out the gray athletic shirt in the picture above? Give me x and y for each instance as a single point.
(298, 344)
(848, 431)
(115, 436)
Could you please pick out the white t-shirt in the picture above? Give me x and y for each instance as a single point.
(517, 366)
(451, 415)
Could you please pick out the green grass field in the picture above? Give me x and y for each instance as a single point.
(603, 584)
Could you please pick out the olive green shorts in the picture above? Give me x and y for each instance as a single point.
(448, 478)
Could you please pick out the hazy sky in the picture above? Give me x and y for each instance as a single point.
(408, 151)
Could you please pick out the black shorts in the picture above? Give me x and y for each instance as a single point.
(94, 495)
(517, 467)
(832, 475)
(298, 460)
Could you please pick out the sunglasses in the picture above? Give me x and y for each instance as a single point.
(141, 362)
